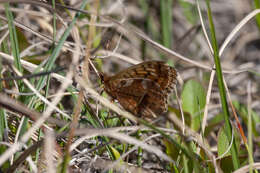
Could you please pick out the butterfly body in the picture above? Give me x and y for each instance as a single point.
(142, 89)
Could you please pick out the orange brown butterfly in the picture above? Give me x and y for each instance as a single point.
(142, 89)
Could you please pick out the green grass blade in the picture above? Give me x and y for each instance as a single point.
(166, 19)
(221, 87)
(13, 38)
(54, 21)
(257, 17)
(57, 49)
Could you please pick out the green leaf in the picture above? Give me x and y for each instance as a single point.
(226, 164)
(187, 115)
(213, 124)
(193, 101)
(166, 19)
(22, 40)
(223, 143)
(171, 150)
(115, 152)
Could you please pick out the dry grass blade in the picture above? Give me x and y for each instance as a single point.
(14, 106)
(89, 133)
(49, 148)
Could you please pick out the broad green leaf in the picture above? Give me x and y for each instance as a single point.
(193, 101)
(213, 123)
(223, 143)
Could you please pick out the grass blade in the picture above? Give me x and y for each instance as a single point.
(222, 88)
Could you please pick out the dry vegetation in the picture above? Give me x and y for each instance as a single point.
(59, 120)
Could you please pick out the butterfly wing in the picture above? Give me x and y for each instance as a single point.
(142, 89)
(157, 71)
(142, 97)
(154, 102)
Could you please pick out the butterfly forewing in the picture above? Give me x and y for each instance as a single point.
(157, 71)
(142, 89)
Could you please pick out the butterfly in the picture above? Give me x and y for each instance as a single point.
(142, 89)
